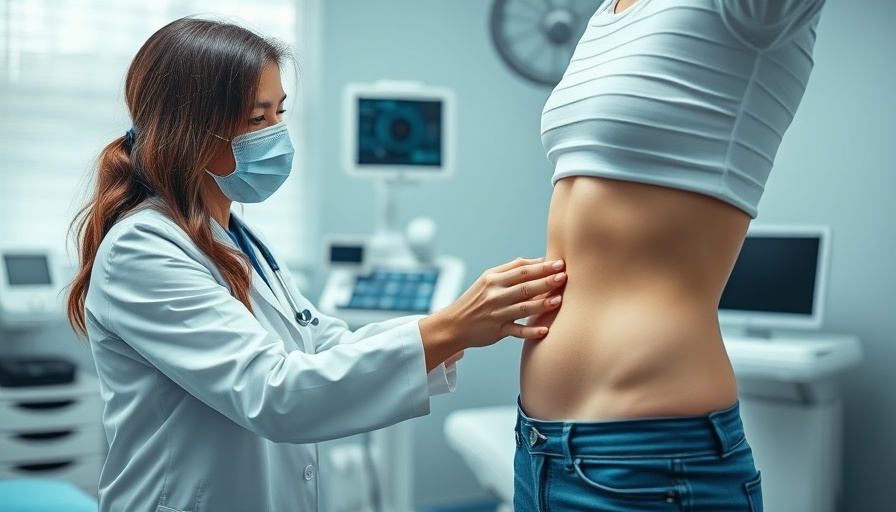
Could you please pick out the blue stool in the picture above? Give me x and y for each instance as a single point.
(34, 495)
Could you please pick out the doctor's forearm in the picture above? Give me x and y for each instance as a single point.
(440, 341)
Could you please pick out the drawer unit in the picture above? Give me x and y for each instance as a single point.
(83, 472)
(70, 441)
(53, 432)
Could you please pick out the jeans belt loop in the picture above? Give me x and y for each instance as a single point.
(565, 442)
(721, 435)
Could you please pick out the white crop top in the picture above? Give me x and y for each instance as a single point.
(689, 94)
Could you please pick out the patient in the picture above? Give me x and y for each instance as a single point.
(662, 134)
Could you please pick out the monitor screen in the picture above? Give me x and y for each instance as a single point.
(401, 132)
(26, 269)
(777, 280)
(345, 253)
(397, 131)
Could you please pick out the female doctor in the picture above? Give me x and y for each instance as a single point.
(218, 376)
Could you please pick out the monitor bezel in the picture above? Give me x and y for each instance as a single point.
(410, 91)
(759, 321)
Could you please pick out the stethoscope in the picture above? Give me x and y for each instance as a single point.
(303, 317)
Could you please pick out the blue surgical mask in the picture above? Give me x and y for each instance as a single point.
(263, 162)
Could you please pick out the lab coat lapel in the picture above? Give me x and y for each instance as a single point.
(261, 293)
(276, 300)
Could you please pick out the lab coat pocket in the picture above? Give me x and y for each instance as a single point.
(162, 508)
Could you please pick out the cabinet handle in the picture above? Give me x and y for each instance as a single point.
(44, 466)
(37, 406)
(43, 436)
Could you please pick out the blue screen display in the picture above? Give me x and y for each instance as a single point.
(399, 132)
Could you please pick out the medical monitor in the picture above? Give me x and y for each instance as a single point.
(779, 280)
(398, 130)
(30, 286)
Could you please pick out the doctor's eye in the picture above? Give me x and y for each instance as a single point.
(256, 120)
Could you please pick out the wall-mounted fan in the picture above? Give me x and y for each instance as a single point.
(536, 38)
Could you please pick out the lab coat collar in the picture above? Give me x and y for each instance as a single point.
(260, 289)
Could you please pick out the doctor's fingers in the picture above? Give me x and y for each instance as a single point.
(525, 309)
(526, 273)
(537, 287)
(510, 265)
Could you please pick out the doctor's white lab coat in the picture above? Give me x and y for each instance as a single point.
(209, 407)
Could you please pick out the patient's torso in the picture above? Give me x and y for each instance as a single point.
(637, 333)
(662, 133)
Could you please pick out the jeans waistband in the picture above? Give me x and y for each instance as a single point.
(718, 432)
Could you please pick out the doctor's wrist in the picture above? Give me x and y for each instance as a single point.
(440, 338)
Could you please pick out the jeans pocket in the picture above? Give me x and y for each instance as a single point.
(628, 479)
(754, 493)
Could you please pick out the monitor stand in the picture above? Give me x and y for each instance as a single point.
(763, 333)
(388, 245)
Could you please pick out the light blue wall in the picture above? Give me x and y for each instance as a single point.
(494, 208)
(835, 167)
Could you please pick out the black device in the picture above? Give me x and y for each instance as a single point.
(23, 371)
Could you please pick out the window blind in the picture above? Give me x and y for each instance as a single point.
(62, 71)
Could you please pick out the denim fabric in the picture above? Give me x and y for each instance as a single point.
(682, 464)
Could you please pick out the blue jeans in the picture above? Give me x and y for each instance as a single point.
(687, 464)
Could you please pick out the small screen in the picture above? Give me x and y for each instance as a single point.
(27, 269)
(399, 132)
(346, 254)
(774, 275)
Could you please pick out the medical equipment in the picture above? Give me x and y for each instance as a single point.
(779, 280)
(396, 134)
(303, 317)
(31, 285)
(360, 291)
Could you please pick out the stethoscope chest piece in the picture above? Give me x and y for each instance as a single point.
(305, 318)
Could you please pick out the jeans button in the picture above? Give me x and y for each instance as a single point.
(535, 437)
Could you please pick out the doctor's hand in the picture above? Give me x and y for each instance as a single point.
(487, 312)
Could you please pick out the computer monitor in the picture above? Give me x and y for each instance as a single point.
(31, 283)
(398, 130)
(779, 280)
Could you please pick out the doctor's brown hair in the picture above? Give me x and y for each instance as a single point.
(193, 79)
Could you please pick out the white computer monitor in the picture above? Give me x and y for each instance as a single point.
(31, 283)
(398, 130)
(779, 280)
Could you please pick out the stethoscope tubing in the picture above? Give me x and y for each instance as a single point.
(303, 316)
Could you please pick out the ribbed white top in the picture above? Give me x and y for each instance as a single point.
(689, 94)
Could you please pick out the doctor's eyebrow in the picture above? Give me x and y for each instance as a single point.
(267, 104)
